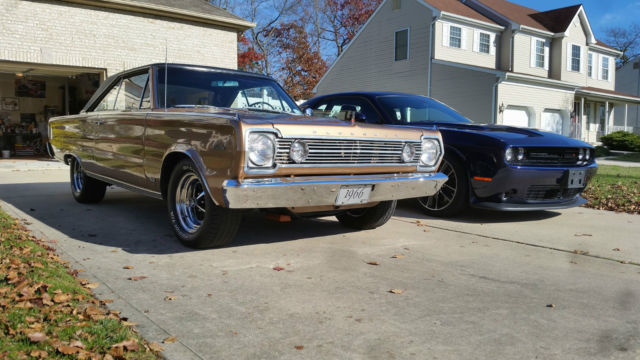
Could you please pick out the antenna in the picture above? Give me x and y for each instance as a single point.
(166, 72)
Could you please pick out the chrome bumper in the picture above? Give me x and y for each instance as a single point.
(323, 190)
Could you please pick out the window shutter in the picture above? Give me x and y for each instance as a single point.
(476, 40)
(445, 35)
(547, 51)
(598, 59)
(492, 44)
(532, 61)
(568, 56)
(463, 38)
(582, 60)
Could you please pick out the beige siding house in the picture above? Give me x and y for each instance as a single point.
(492, 60)
(627, 117)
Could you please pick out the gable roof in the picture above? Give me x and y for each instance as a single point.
(557, 20)
(193, 10)
(459, 8)
(516, 13)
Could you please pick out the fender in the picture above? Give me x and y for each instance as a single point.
(188, 151)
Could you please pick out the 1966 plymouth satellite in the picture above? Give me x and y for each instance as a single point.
(218, 141)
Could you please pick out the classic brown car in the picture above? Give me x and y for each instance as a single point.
(219, 141)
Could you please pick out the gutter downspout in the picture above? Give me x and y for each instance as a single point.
(494, 99)
(513, 35)
(431, 46)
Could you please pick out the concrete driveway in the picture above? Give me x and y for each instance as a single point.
(476, 287)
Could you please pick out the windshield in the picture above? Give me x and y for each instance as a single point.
(193, 87)
(414, 109)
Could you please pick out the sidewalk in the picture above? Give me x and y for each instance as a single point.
(604, 161)
(30, 163)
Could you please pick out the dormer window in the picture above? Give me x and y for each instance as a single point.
(540, 53)
(455, 37)
(484, 43)
(605, 68)
(575, 58)
(590, 65)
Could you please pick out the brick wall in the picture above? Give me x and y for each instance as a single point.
(60, 33)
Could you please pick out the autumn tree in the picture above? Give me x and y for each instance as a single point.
(343, 18)
(301, 63)
(625, 39)
(248, 57)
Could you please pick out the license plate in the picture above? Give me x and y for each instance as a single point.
(576, 179)
(353, 194)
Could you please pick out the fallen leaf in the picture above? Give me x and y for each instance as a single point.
(130, 345)
(39, 354)
(396, 291)
(582, 234)
(129, 323)
(68, 350)
(128, 267)
(551, 305)
(91, 285)
(170, 298)
(278, 268)
(169, 340)
(155, 347)
(107, 357)
(580, 252)
(61, 298)
(624, 262)
(137, 278)
(299, 347)
(616, 249)
(37, 337)
(373, 263)
(76, 343)
(397, 256)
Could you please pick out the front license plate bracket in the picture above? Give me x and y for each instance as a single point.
(576, 179)
(353, 194)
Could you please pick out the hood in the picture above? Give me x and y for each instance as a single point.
(513, 136)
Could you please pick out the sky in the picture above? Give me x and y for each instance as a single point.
(602, 13)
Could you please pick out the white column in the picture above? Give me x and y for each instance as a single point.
(606, 118)
(583, 122)
(626, 111)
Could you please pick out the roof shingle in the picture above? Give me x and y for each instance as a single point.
(198, 6)
(458, 8)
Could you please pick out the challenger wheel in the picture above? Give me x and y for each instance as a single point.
(196, 220)
(453, 196)
(85, 189)
(368, 218)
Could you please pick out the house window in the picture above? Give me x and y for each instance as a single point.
(485, 43)
(397, 4)
(455, 37)
(605, 68)
(575, 58)
(540, 53)
(402, 45)
(590, 65)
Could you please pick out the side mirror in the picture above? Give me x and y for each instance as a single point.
(308, 112)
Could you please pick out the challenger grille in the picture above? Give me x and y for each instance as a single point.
(550, 157)
(348, 152)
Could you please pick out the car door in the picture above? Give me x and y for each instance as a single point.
(119, 141)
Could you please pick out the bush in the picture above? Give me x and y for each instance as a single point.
(602, 151)
(621, 140)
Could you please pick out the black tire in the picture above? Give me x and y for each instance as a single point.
(368, 218)
(85, 189)
(455, 190)
(200, 224)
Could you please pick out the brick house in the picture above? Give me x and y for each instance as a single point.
(492, 60)
(54, 54)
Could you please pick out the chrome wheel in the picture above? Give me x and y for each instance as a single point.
(190, 202)
(443, 198)
(77, 177)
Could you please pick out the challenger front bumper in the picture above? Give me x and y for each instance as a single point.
(323, 190)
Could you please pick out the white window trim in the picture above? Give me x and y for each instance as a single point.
(476, 42)
(601, 68)
(547, 48)
(594, 57)
(446, 35)
(581, 67)
(408, 44)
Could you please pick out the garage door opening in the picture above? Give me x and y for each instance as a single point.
(516, 116)
(31, 94)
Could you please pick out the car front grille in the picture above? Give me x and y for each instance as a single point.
(550, 157)
(348, 152)
(550, 192)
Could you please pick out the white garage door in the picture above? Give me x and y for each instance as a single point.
(515, 116)
(552, 121)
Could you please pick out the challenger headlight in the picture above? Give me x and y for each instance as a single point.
(261, 149)
(408, 152)
(520, 156)
(581, 154)
(430, 152)
(509, 155)
(587, 154)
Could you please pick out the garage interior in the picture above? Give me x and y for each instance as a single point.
(31, 94)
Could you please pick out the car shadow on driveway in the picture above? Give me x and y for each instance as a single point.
(138, 224)
(410, 208)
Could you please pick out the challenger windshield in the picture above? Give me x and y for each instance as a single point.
(194, 87)
(414, 109)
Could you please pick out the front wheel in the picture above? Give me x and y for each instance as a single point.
(452, 198)
(85, 189)
(368, 218)
(196, 220)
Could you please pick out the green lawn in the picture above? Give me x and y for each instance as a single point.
(632, 157)
(45, 311)
(615, 188)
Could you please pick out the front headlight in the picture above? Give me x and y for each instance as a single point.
(430, 152)
(260, 148)
(408, 152)
(581, 154)
(509, 155)
(587, 154)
